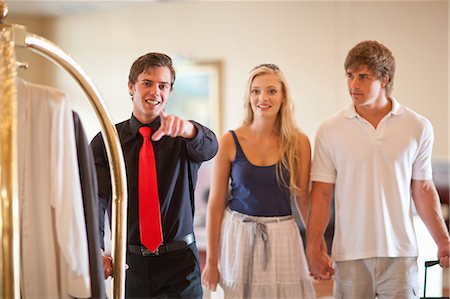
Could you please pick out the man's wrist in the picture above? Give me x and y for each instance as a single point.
(190, 131)
(313, 247)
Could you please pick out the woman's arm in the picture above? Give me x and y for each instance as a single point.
(302, 200)
(217, 203)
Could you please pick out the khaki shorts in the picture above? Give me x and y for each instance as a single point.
(380, 278)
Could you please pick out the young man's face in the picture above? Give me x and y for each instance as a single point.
(150, 93)
(364, 87)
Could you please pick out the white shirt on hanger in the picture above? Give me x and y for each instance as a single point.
(54, 254)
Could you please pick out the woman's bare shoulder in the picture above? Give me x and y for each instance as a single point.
(303, 140)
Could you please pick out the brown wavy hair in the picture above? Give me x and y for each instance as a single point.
(377, 57)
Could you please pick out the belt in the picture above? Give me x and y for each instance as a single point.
(163, 248)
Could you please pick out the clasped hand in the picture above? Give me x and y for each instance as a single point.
(320, 264)
(444, 253)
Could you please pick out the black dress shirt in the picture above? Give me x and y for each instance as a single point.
(177, 163)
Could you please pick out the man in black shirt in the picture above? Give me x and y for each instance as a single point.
(180, 146)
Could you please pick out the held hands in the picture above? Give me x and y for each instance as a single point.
(320, 264)
(210, 277)
(174, 126)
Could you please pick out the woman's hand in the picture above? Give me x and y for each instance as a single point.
(210, 277)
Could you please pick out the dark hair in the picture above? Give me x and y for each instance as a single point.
(376, 56)
(149, 61)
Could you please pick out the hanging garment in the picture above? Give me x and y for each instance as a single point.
(54, 255)
(88, 179)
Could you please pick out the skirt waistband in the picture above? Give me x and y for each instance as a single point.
(259, 219)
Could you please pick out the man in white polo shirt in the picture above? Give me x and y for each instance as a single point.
(376, 158)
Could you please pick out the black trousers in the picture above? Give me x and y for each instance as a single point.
(171, 275)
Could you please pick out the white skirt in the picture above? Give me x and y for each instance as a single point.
(263, 257)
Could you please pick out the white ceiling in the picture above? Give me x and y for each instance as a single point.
(65, 7)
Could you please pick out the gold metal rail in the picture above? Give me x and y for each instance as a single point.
(16, 36)
(10, 263)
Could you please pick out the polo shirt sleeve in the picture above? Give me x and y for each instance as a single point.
(422, 169)
(323, 168)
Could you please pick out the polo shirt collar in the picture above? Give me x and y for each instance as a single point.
(350, 112)
(396, 107)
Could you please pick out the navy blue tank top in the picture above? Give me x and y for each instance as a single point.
(255, 190)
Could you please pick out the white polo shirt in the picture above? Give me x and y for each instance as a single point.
(372, 171)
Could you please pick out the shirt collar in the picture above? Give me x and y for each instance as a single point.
(350, 112)
(135, 124)
(396, 107)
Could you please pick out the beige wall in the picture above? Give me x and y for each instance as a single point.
(308, 40)
(38, 67)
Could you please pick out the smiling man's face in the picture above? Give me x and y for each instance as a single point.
(150, 93)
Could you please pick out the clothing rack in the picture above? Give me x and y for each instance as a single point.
(12, 36)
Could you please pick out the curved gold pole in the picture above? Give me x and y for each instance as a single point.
(114, 150)
(9, 206)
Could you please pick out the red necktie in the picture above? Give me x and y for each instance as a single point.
(149, 213)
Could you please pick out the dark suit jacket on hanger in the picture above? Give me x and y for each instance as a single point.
(88, 179)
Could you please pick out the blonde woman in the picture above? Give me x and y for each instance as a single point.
(254, 248)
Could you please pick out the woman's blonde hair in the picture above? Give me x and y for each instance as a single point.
(285, 127)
